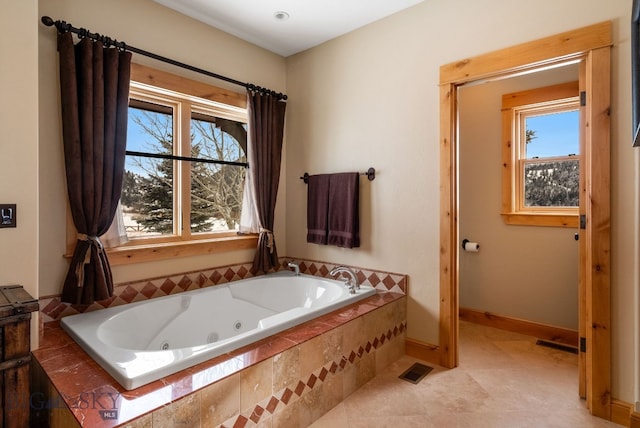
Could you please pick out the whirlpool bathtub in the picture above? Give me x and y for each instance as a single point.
(145, 341)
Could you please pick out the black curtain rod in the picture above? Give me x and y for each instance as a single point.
(63, 27)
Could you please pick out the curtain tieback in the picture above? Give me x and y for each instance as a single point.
(93, 240)
(269, 234)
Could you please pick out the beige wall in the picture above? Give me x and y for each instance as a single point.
(370, 98)
(19, 144)
(523, 272)
(149, 26)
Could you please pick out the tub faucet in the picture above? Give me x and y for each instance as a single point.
(295, 266)
(351, 282)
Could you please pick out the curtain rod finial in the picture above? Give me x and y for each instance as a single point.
(46, 20)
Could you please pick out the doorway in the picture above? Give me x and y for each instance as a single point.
(590, 47)
(524, 277)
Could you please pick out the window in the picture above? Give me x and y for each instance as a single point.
(185, 166)
(541, 156)
(184, 169)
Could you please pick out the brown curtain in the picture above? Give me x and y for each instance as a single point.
(94, 89)
(266, 129)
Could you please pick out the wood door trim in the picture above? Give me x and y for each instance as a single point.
(590, 44)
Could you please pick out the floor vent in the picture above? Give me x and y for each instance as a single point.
(558, 346)
(415, 373)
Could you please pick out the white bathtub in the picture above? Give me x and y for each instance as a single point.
(145, 341)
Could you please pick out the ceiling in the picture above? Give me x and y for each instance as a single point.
(309, 22)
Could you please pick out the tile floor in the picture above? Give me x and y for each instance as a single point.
(504, 380)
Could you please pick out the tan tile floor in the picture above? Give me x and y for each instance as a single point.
(504, 380)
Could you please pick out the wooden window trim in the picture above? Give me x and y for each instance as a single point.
(162, 79)
(511, 210)
(139, 251)
(129, 254)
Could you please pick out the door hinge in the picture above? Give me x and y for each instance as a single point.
(583, 221)
(583, 344)
(583, 98)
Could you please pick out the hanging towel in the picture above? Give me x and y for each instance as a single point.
(317, 208)
(343, 215)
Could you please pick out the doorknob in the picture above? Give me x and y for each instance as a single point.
(576, 236)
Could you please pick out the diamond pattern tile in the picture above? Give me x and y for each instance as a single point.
(229, 274)
(185, 282)
(148, 290)
(343, 363)
(323, 374)
(373, 279)
(257, 414)
(300, 388)
(312, 381)
(242, 272)
(215, 277)
(241, 422)
(324, 271)
(312, 269)
(201, 280)
(388, 282)
(273, 405)
(53, 309)
(167, 286)
(129, 294)
(287, 396)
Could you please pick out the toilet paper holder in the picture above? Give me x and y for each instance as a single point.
(473, 247)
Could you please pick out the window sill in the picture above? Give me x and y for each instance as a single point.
(541, 219)
(130, 254)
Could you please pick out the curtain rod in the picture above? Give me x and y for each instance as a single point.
(63, 27)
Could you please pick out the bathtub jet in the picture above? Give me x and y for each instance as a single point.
(141, 342)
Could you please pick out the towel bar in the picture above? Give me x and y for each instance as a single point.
(371, 175)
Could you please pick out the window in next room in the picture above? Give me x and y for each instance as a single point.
(541, 156)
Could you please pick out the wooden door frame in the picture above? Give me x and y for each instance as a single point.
(590, 45)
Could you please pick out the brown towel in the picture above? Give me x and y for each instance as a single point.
(343, 216)
(317, 208)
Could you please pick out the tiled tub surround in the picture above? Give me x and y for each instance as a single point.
(52, 309)
(289, 379)
(178, 331)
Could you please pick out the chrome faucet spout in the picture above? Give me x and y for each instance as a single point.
(295, 266)
(351, 282)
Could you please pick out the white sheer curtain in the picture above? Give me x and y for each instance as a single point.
(249, 222)
(116, 234)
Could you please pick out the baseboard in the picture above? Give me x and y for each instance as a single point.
(423, 351)
(621, 413)
(541, 331)
(634, 421)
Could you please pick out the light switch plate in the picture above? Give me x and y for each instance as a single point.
(7, 215)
